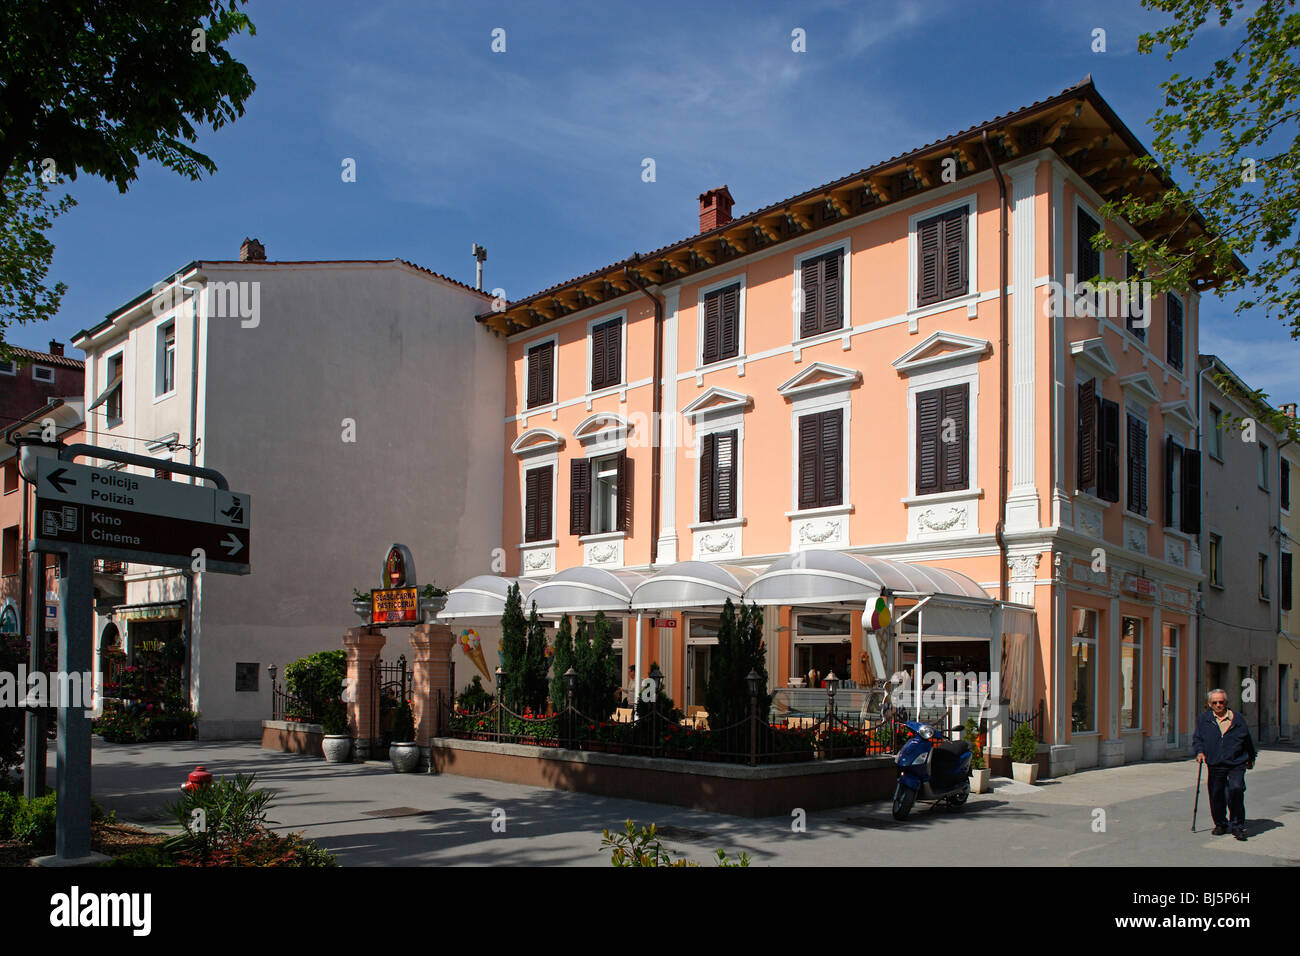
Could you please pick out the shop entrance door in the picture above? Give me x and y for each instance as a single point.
(698, 657)
(1169, 691)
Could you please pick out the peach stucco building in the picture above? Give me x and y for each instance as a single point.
(886, 367)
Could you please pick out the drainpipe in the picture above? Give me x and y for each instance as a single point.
(656, 415)
(1002, 391)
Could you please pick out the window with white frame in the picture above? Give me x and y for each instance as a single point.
(8, 368)
(943, 253)
(1216, 560)
(823, 290)
(539, 374)
(165, 381)
(1083, 671)
(43, 374)
(1130, 674)
(1215, 437)
(1263, 466)
(721, 320)
(113, 405)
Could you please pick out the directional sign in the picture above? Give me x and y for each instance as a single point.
(148, 520)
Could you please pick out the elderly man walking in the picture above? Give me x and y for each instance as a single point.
(1222, 742)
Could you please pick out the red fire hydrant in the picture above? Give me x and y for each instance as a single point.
(199, 777)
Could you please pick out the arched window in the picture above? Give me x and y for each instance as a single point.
(9, 620)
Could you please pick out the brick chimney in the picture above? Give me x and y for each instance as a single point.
(56, 347)
(715, 208)
(252, 250)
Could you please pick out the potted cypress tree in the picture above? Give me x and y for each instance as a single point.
(1024, 745)
(979, 773)
(404, 752)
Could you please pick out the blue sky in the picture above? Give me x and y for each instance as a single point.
(536, 152)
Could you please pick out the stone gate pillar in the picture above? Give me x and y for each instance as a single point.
(363, 645)
(431, 646)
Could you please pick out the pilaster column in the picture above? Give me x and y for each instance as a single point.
(431, 646)
(363, 645)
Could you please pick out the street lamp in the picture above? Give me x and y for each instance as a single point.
(570, 681)
(755, 681)
(32, 447)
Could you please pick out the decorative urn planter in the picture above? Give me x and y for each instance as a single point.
(361, 607)
(1024, 772)
(337, 748)
(979, 780)
(404, 757)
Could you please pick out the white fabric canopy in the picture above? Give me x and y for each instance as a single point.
(823, 577)
(585, 591)
(483, 597)
(692, 584)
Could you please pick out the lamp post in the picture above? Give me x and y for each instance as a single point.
(755, 681)
(30, 448)
(271, 671)
(570, 681)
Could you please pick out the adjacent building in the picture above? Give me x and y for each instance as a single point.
(357, 402)
(1288, 543)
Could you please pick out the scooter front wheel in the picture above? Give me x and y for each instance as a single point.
(904, 797)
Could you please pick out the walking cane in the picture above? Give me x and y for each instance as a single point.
(1196, 806)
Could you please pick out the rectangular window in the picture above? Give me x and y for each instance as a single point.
(537, 503)
(43, 375)
(541, 374)
(1138, 318)
(1083, 667)
(1263, 467)
(942, 439)
(823, 287)
(721, 324)
(1216, 560)
(942, 256)
(1137, 466)
(1087, 260)
(600, 494)
(10, 558)
(821, 459)
(1284, 488)
(113, 407)
(1108, 441)
(11, 476)
(607, 354)
(1182, 487)
(1264, 589)
(718, 476)
(1088, 445)
(1130, 674)
(162, 473)
(8, 368)
(1174, 331)
(166, 359)
(1216, 433)
(1287, 571)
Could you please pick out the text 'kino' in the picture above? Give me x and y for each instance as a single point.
(123, 482)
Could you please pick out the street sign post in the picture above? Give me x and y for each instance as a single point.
(84, 513)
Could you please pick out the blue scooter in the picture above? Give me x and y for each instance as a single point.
(929, 773)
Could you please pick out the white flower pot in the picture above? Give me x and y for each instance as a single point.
(404, 757)
(337, 748)
(1025, 772)
(979, 781)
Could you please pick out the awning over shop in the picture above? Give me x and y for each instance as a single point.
(692, 584)
(824, 577)
(483, 597)
(586, 591)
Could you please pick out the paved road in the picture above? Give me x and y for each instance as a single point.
(448, 819)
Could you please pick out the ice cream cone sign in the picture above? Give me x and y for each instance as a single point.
(877, 617)
(470, 644)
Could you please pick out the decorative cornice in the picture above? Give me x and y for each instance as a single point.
(963, 348)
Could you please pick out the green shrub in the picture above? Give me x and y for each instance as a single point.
(232, 811)
(33, 823)
(474, 698)
(972, 736)
(403, 724)
(641, 847)
(8, 809)
(317, 678)
(334, 717)
(144, 856)
(1024, 745)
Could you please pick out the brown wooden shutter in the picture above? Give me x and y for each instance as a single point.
(597, 357)
(927, 273)
(1087, 259)
(808, 461)
(1137, 467)
(832, 310)
(537, 504)
(810, 319)
(545, 491)
(1173, 452)
(954, 254)
(729, 322)
(541, 373)
(580, 496)
(955, 455)
(708, 462)
(712, 327)
(831, 463)
(530, 506)
(534, 377)
(725, 476)
(1174, 332)
(928, 407)
(624, 518)
(1191, 491)
(1087, 448)
(1108, 460)
(614, 353)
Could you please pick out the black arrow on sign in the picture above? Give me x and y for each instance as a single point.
(58, 481)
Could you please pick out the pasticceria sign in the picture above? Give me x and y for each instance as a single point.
(398, 601)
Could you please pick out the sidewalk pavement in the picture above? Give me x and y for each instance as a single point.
(370, 816)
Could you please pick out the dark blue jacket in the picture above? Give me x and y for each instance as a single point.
(1233, 749)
